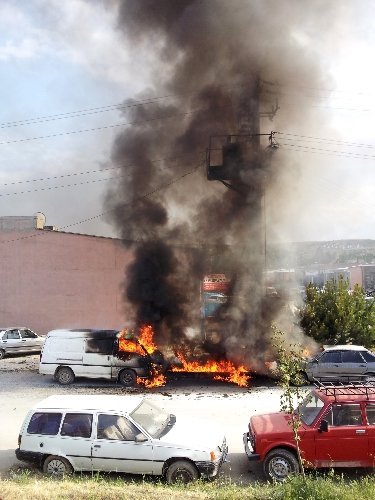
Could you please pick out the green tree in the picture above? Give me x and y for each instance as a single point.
(337, 315)
(289, 359)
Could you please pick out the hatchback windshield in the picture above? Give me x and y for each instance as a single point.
(153, 419)
(310, 408)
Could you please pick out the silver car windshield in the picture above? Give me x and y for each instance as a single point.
(310, 408)
(152, 419)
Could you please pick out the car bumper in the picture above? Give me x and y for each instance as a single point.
(211, 469)
(29, 457)
(248, 448)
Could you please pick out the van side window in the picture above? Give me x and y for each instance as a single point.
(116, 427)
(44, 423)
(77, 425)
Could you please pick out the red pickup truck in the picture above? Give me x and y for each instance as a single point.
(337, 429)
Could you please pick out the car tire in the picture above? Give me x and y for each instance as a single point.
(370, 378)
(65, 375)
(127, 378)
(56, 466)
(279, 464)
(181, 471)
(2, 354)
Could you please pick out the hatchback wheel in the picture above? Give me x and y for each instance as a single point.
(181, 471)
(57, 466)
(65, 376)
(279, 464)
(2, 354)
(370, 378)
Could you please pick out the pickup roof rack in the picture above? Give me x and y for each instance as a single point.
(349, 389)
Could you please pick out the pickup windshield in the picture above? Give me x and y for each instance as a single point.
(152, 419)
(310, 408)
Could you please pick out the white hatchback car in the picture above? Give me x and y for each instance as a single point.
(63, 434)
(15, 340)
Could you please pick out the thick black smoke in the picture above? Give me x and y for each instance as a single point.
(210, 59)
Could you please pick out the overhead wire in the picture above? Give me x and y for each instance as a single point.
(140, 197)
(104, 127)
(89, 172)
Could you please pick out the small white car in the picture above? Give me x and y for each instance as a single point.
(127, 434)
(14, 340)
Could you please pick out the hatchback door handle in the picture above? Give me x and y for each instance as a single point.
(97, 446)
(360, 431)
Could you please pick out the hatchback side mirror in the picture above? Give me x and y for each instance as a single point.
(323, 427)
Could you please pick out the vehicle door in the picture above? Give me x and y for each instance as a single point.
(353, 366)
(97, 357)
(328, 366)
(12, 341)
(115, 447)
(76, 441)
(370, 418)
(29, 340)
(345, 444)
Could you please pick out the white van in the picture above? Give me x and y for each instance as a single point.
(67, 354)
(62, 434)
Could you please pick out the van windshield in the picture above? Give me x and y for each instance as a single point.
(152, 419)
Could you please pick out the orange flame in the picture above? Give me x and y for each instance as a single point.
(157, 381)
(237, 375)
(130, 346)
(146, 338)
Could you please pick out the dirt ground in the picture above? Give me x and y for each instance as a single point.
(209, 403)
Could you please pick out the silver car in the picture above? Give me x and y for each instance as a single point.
(341, 363)
(15, 340)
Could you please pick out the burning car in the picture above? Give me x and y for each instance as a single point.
(107, 354)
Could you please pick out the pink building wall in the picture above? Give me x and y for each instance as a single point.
(51, 279)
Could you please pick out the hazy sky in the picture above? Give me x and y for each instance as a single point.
(65, 66)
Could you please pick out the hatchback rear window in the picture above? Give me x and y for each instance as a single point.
(44, 423)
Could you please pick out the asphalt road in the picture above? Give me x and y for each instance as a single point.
(208, 403)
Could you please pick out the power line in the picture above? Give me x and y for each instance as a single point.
(309, 138)
(51, 188)
(137, 122)
(89, 219)
(89, 172)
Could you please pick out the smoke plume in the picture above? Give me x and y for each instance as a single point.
(215, 66)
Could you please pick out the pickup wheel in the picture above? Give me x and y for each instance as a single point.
(127, 378)
(181, 471)
(57, 466)
(2, 354)
(65, 375)
(279, 464)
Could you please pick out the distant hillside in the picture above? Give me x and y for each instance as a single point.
(318, 254)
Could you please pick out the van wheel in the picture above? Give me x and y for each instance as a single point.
(57, 466)
(279, 464)
(65, 376)
(2, 354)
(181, 471)
(127, 378)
